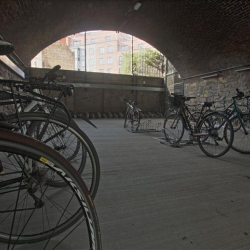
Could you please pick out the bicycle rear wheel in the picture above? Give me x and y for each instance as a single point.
(173, 128)
(32, 211)
(241, 141)
(215, 134)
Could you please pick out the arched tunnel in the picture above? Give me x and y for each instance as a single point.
(196, 36)
(153, 194)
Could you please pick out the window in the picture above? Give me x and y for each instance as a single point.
(83, 63)
(108, 38)
(110, 60)
(76, 43)
(120, 60)
(101, 70)
(110, 70)
(93, 41)
(102, 50)
(124, 48)
(91, 51)
(83, 52)
(120, 70)
(101, 61)
(91, 62)
(110, 49)
(141, 46)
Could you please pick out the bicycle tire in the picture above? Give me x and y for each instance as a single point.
(89, 168)
(135, 121)
(126, 119)
(78, 202)
(173, 128)
(241, 141)
(215, 134)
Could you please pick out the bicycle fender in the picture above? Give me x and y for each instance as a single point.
(84, 118)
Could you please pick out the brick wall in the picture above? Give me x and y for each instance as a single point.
(58, 53)
(195, 35)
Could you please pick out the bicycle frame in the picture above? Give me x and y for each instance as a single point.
(238, 113)
(183, 111)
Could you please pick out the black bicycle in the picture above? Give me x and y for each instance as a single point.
(213, 130)
(32, 209)
(48, 120)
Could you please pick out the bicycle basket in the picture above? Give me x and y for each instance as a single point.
(177, 100)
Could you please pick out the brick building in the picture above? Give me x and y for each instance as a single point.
(56, 53)
(104, 51)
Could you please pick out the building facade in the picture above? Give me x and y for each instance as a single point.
(103, 52)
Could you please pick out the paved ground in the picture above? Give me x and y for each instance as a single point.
(153, 196)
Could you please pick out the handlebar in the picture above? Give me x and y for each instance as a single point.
(239, 94)
(130, 101)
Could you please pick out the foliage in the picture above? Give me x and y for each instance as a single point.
(145, 62)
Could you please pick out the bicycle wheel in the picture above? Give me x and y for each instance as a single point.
(71, 142)
(127, 117)
(241, 141)
(215, 134)
(135, 121)
(32, 211)
(173, 128)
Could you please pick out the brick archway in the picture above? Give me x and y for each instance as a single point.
(196, 35)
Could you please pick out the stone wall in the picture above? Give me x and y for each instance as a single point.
(220, 88)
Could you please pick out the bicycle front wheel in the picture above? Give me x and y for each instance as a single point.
(173, 128)
(71, 142)
(215, 134)
(135, 121)
(31, 210)
(127, 115)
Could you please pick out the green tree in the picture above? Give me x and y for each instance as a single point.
(145, 62)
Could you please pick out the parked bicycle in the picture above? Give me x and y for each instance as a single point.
(55, 127)
(34, 210)
(213, 130)
(132, 115)
(241, 123)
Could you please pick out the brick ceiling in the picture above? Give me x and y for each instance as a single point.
(197, 36)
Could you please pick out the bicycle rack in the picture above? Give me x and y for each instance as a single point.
(146, 126)
(175, 144)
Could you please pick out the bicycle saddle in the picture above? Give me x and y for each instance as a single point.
(6, 47)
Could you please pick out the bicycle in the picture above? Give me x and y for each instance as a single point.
(59, 132)
(240, 122)
(31, 209)
(132, 115)
(213, 130)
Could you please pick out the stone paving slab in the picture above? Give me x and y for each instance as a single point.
(154, 196)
